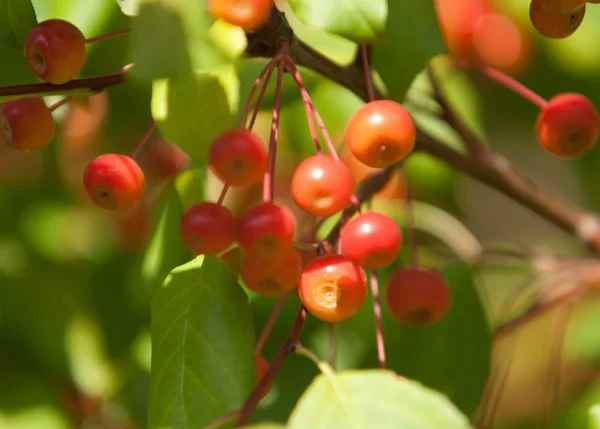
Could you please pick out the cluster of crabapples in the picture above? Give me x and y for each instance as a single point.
(333, 287)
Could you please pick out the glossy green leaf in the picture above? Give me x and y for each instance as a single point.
(17, 17)
(166, 250)
(172, 39)
(463, 338)
(358, 20)
(594, 417)
(412, 38)
(191, 112)
(202, 346)
(373, 399)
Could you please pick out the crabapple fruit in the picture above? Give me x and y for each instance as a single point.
(266, 229)
(272, 275)
(26, 124)
(208, 228)
(554, 25)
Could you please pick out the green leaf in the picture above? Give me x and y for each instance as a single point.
(358, 20)
(452, 356)
(412, 38)
(202, 346)
(172, 39)
(266, 425)
(191, 112)
(17, 17)
(166, 249)
(594, 417)
(129, 7)
(373, 399)
(191, 186)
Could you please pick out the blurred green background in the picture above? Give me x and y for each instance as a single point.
(74, 282)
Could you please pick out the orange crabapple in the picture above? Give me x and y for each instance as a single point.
(554, 25)
(16, 120)
(248, 14)
(266, 229)
(272, 275)
(208, 228)
(333, 288)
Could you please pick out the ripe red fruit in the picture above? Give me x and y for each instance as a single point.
(238, 157)
(333, 288)
(248, 14)
(457, 19)
(568, 126)
(380, 133)
(272, 275)
(554, 25)
(321, 185)
(372, 240)
(418, 297)
(55, 51)
(266, 229)
(208, 228)
(262, 366)
(114, 182)
(563, 6)
(26, 124)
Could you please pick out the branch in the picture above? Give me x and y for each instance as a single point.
(491, 170)
(89, 84)
(287, 348)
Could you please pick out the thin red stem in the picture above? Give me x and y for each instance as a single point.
(308, 107)
(223, 194)
(108, 35)
(264, 335)
(259, 99)
(138, 147)
(514, 85)
(59, 103)
(286, 348)
(266, 71)
(332, 344)
(269, 181)
(306, 96)
(367, 70)
(410, 226)
(378, 318)
(218, 422)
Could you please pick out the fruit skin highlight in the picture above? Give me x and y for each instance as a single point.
(55, 50)
(333, 288)
(418, 297)
(208, 228)
(16, 119)
(568, 126)
(381, 133)
(114, 182)
(554, 25)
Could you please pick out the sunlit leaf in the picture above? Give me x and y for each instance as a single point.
(17, 17)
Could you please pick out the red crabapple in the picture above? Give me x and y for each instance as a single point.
(333, 288)
(554, 25)
(26, 124)
(371, 239)
(262, 366)
(163, 158)
(55, 51)
(248, 14)
(380, 133)
(272, 275)
(208, 228)
(238, 157)
(568, 126)
(114, 182)
(322, 185)
(418, 297)
(266, 229)
(457, 19)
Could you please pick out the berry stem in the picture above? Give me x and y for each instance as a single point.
(410, 225)
(367, 71)
(332, 344)
(266, 73)
(315, 113)
(288, 346)
(143, 140)
(259, 99)
(264, 335)
(218, 422)
(269, 181)
(108, 35)
(60, 103)
(514, 85)
(374, 282)
(223, 194)
(308, 108)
